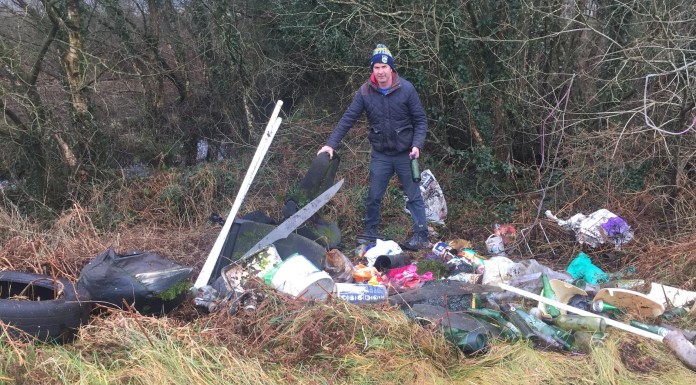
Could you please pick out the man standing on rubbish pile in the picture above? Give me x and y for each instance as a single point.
(397, 129)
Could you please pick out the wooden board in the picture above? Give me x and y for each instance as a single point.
(631, 302)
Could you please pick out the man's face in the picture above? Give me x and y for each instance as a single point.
(382, 73)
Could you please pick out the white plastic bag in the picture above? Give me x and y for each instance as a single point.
(382, 248)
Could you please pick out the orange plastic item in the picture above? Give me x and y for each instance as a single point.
(362, 273)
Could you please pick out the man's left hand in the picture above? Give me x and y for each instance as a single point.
(415, 153)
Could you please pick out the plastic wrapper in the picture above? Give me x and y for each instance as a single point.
(503, 269)
(364, 274)
(598, 228)
(339, 267)
(581, 267)
(433, 198)
(406, 278)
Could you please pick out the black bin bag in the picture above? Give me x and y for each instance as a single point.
(147, 282)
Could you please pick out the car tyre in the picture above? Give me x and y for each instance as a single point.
(41, 306)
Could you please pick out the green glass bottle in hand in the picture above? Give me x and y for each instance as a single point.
(415, 171)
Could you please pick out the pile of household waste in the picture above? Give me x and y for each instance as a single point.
(474, 298)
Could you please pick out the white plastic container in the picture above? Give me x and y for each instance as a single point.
(299, 277)
(495, 245)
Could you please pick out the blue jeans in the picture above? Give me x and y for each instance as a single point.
(382, 168)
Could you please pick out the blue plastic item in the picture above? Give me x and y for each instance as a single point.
(582, 268)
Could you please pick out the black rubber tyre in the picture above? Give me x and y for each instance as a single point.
(48, 309)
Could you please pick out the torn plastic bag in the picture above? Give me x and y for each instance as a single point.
(406, 278)
(503, 269)
(597, 228)
(581, 267)
(525, 275)
(433, 198)
(149, 283)
(339, 267)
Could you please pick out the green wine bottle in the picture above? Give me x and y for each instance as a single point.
(550, 294)
(659, 330)
(551, 335)
(415, 171)
(507, 329)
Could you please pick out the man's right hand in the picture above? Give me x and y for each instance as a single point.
(327, 149)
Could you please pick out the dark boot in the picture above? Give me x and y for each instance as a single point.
(369, 236)
(419, 241)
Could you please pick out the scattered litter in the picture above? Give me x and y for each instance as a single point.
(469, 342)
(363, 274)
(502, 236)
(258, 265)
(444, 251)
(466, 294)
(466, 277)
(467, 261)
(386, 262)
(599, 227)
(207, 298)
(495, 246)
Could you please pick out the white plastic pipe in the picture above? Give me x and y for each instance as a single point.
(560, 305)
(264, 144)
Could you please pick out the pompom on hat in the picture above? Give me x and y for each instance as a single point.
(381, 54)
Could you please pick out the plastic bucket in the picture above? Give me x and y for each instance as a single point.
(299, 277)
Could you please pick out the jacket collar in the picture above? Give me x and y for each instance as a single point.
(396, 82)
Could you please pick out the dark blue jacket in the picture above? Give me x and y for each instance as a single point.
(397, 121)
